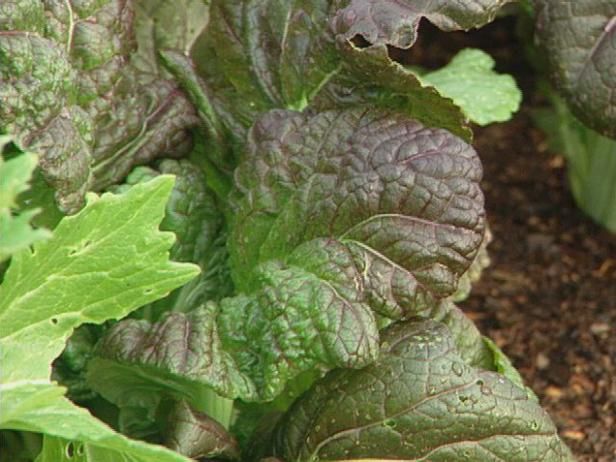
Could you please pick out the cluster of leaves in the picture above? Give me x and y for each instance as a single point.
(329, 197)
(578, 54)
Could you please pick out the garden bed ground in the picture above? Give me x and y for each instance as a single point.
(549, 297)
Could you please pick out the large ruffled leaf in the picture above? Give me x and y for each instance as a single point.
(580, 40)
(70, 94)
(396, 22)
(401, 201)
(419, 401)
(245, 346)
(340, 217)
(35, 85)
(260, 55)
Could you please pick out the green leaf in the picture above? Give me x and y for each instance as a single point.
(40, 406)
(403, 200)
(261, 55)
(340, 216)
(198, 436)
(396, 22)
(579, 42)
(470, 81)
(419, 401)
(100, 264)
(16, 232)
(193, 214)
(195, 433)
(228, 346)
(161, 25)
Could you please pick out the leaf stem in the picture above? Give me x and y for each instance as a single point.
(216, 407)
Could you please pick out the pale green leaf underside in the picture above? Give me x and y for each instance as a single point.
(470, 81)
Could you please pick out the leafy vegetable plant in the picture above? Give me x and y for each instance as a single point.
(327, 215)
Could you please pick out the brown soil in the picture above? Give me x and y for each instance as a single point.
(549, 297)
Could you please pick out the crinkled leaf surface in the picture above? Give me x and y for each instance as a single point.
(70, 94)
(398, 200)
(580, 40)
(470, 81)
(396, 22)
(160, 24)
(192, 214)
(339, 216)
(260, 55)
(245, 346)
(35, 85)
(99, 265)
(419, 401)
(16, 232)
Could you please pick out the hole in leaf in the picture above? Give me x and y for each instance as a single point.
(54, 321)
(391, 423)
(80, 451)
(359, 41)
(75, 250)
(148, 291)
(69, 450)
